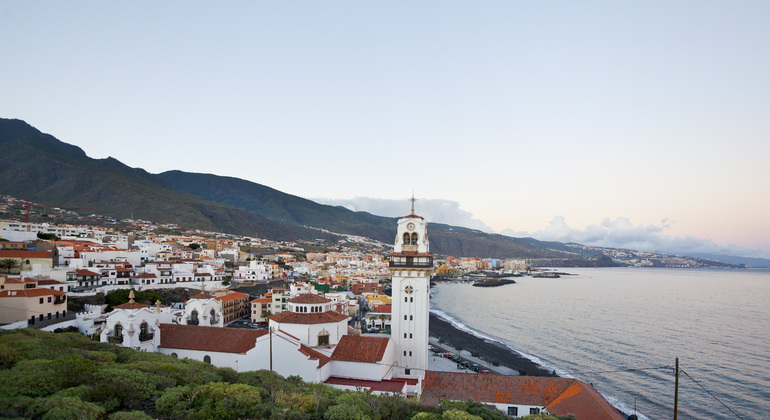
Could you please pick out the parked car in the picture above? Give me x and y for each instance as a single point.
(485, 371)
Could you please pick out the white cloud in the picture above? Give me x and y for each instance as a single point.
(621, 233)
(435, 210)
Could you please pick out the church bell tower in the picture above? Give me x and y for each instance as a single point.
(410, 266)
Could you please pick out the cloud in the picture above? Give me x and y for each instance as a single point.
(621, 233)
(435, 210)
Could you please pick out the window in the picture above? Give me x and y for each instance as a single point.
(410, 353)
(207, 359)
(411, 318)
(323, 340)
(534, 411)
(407, 371)
(414, 238)
(404, 317)
(213, 315)
(49, 299)
(411, 300)
(33, 320)
(41, 301)
(193, 318)
(174, 355)
(118, 332)
(406, 238)
(404, 335)
(410, 335)
(513, 411)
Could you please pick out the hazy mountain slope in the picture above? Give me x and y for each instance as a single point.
(38, 167)
(272, 203)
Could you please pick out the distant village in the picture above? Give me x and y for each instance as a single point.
(351, 314)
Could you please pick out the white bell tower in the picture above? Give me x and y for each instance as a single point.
(410, 267)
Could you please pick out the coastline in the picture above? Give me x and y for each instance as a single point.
(489, 351)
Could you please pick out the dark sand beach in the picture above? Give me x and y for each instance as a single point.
(492, 352)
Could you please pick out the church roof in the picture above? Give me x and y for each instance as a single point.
(561, 396)
(131, 305)
(309, 298)
(232, 296)
(357, 348)
(314, 355)
(303, 318)
(412, 216)
(194, 337)
(386, 385)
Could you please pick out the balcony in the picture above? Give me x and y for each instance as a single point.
(410, 263)
(146, 336)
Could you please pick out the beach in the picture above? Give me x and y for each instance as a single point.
(447, 335)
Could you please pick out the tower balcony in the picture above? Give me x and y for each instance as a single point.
(409, 260)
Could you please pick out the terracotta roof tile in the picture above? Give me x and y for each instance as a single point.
(561, 396)
(131, 305)
(356, 348)
(385, 385)
(86, 273)
(298, 318)
(232, 296)
(32, 293)
(11, 253)
(309, 298)
(314, 355)
(223, 340)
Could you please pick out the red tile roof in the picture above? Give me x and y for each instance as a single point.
(561, 396)
(314, 355)
(20, 280)
(298, 318)
(32, 293)
(12, 253)
(385, 385)
(146, 276)
(233, 296)
(194, 337)
(356, 348)
(85, 273)
(132, 305)
(309, 298)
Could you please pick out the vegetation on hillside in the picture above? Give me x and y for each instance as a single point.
(61, 376)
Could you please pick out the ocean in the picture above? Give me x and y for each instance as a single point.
(621, 329)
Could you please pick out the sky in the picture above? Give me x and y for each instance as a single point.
(629, 124)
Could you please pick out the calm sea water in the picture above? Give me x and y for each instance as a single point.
(617, 327)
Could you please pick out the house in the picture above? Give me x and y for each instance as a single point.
(233, 305)
(83, 277)
(260, 309)
(518, 396)
(26, 260)
(31, 303)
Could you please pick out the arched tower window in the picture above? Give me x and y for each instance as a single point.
(406, 238)
(193, 318)
(213, 315)
(118, 333)
(414, 238)
(144, 332)
(207, 359)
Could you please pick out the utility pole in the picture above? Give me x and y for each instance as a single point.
(676, 388)
(270, 332)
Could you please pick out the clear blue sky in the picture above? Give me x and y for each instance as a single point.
(563, 119)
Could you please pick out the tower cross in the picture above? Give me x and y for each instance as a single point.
(412, 200)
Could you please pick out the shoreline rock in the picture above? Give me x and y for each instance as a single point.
(492, 352)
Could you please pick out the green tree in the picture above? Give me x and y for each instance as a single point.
(194, 246)
(8, 264)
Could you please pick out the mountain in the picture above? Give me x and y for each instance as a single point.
(268, 202)
(37, 166)
(747, 261)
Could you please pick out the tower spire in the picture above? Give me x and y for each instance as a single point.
(412, 200)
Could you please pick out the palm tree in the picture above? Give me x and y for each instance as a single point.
(8, 264)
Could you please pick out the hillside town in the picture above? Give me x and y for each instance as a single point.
(352, 314)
